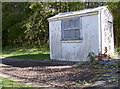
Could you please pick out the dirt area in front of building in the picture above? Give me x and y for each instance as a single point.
(58, 74)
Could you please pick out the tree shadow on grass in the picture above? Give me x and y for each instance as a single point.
(25, 62)
(16, 61)
(39, 56)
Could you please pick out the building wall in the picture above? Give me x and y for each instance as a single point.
(107, 32)
(55, 39)
(76, 50)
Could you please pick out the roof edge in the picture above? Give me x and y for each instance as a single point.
(79, 13)
(109, 10)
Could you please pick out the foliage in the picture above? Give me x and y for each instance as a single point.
(117, 50)
(37, 25)
(115, 9)
(13, 18)
(96, 63)
(91, 56)
(25, 23)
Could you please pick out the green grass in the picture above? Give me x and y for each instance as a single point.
(117, 50)
(25, 53)
(4, 82)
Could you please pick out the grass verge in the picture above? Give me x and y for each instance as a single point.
(9, 83)
(25, 53)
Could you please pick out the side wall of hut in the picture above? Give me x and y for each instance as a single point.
(107, 32)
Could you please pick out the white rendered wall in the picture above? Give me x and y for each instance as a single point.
(107, 33)
(55, 39)
(75, 50)
(78, 51)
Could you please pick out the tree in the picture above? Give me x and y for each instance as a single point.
(26, 22)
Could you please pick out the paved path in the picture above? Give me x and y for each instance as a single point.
(23, 81)
(51, 73)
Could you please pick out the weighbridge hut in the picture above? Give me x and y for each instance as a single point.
(74, 34)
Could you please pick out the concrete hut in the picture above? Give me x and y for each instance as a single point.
(74, 34)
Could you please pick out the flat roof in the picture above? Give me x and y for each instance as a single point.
(72, 13)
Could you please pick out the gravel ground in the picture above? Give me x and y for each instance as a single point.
(59, 74)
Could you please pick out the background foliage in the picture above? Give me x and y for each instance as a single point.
(25, 23)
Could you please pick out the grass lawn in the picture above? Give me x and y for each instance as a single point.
(25, 53)
(4, 83)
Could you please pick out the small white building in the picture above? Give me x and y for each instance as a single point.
(74, 34)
